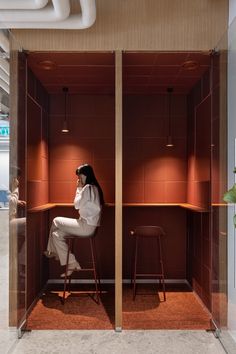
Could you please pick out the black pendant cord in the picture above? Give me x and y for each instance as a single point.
(169, 90)
(65, 90)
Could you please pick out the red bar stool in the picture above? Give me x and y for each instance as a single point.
(67, 280)
(148, 232)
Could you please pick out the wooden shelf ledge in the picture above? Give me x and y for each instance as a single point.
(182, 205)
(192, 207)
(48, 206)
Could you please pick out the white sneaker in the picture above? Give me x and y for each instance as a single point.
(71, 268)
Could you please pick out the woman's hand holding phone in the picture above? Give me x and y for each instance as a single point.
(81, 181)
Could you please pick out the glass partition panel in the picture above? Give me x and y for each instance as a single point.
(17, 187)
(218, 171)
(12, 188)
(223, 163)
(231, 158)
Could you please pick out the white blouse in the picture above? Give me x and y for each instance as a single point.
(87, 202)
(13, 200)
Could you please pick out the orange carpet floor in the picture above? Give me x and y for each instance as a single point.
(181, 310)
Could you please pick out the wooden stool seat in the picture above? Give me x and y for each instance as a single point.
(71, 239)
(148, 232)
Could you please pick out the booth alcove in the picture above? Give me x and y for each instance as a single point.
(165, 186)
(52, 158)
(171, 186)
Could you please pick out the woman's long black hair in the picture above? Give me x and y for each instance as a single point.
(87, 170)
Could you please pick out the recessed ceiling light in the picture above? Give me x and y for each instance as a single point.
(190, 65)
(47, 65)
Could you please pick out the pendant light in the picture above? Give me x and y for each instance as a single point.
(65, 128)
(169, 142)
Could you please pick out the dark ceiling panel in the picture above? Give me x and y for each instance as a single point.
(137, 70)
(170, 59)
(94, 73)
(70, 58)
(139, 58)
(162, 71)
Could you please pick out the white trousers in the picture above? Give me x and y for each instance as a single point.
(62, 226)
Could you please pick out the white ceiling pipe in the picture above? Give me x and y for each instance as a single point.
(4, 86)
(58, 12)
(88, 10)
(4, 76)
(76, 21)
(4, 65)
(22, 4)
(4, 42)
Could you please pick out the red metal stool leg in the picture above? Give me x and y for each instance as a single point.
(96, 264)
(66, 270)
(162, 269)
(94, 268)
(67, 279)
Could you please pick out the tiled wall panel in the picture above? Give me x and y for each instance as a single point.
(91, 121)
(152, 172)
(199, 188)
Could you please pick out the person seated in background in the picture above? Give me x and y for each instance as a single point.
(16, 206)
(88, 201)
(17, 218)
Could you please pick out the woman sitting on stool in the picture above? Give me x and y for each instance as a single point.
(88, 201)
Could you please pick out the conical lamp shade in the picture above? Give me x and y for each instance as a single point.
(65, 127)
(169, 141)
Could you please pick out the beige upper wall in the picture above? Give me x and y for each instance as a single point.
(139, 25)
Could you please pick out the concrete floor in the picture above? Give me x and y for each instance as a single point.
(94, 342)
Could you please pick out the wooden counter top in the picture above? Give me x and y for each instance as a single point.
(49, 206)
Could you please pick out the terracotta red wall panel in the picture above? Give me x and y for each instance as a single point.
(31, 83)
(37, 273)
(62, 170)
(37, 192)
(133, 192)
(44, 168)
(71, 148)
(90, 140)
(33, 126)
(133, 170)
(154, 169)
(132, 148)
(154, 192)
(202, 193)
(108, 188)
(62, 192)
(203, 140)
(44, 141)
(37, 142)
(104, 169)
(206, 83)
(191, 192)
(144, 126)
(37, 185)
(175, 162)
(175, 192)
(146, 159)
(199, 143)
(151, 148)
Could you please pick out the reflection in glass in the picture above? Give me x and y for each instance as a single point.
(219, 185)
(17, 196)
